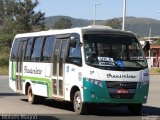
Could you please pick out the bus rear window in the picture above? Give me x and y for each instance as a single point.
(14, 50)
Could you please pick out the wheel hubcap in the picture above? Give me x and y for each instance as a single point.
(30, 95)
(78, 103)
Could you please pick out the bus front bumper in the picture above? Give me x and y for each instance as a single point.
(98, 92)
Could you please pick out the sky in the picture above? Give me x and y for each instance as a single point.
(107, 9)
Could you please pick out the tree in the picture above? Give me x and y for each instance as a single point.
(7, 21)
(6, 13)
(26, 18)
(114, 23)
(63, 23)
(156, 42)
(17, 16)
(1, 12)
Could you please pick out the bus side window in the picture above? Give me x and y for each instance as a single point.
(37, 49)
(74, 55)
(14, 50)
(48, 48)
(29, 49)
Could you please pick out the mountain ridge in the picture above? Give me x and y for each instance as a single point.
(138, 25)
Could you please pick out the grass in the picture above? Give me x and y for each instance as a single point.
(4, 57)
(154, 71)
(4, 70)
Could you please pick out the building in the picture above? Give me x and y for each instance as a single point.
(153, 56)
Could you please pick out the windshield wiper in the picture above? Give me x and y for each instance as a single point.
(141, 66)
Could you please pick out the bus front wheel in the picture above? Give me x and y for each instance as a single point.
(134, 109)
(79, 106)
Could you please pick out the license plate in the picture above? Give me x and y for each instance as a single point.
(122, 91)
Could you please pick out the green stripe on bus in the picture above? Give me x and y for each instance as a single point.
(42, 81)
(36, 78)
(49, 89)
(13, 71)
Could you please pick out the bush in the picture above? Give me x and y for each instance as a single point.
(4, 62)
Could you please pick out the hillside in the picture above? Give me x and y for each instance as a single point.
(140, 26)
(75, 22)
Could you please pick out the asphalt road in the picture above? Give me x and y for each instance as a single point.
(14, 106)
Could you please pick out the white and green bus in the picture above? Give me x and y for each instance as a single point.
(88, 65)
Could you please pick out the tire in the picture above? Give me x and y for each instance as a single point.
(135, 109)
(32, 99)
(79, 106)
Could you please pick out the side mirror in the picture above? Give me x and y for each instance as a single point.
(74, 41)
(146, 46)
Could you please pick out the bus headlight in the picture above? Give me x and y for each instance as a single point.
(95, 82)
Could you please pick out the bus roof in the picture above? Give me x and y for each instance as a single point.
(105, 30)
(48, 32)
(88, 30)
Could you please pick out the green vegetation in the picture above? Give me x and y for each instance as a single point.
(154, 70)
(157, 42)
(4, 70)
(63, 23)
(16, 16)
(114, 23)
(50, 21)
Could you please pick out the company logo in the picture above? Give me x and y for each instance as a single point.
(32, 70)
(109, 75)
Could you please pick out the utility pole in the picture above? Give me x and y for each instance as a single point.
(94, 20)
(124, 15)
(149, 52)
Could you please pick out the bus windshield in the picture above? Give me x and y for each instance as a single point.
(113, 51)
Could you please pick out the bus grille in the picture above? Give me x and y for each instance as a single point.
(121, 90)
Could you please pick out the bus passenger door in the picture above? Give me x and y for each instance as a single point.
(58, 67)
(19, 65)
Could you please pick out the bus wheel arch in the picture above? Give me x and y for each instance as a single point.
(26, 88)
(76, 99)
(72, 92)
(32, 98)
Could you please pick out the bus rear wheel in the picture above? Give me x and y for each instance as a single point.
(135, 109)
(32, 99)
(79, 106)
